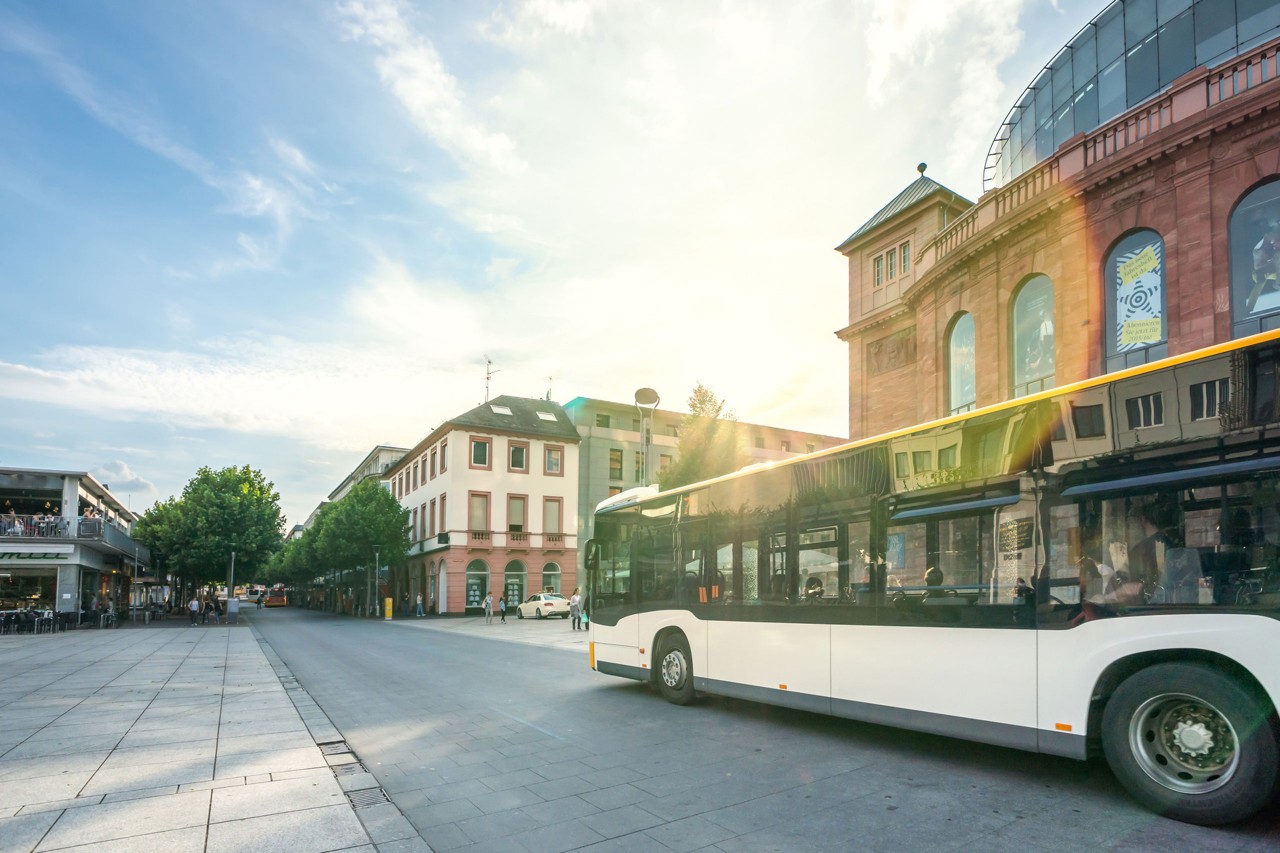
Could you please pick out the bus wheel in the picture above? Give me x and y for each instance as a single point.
(675, 670)
(1192, 744)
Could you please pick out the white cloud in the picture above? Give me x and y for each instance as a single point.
(122, 479)
(412, 69)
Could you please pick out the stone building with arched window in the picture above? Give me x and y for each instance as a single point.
(1130, 211)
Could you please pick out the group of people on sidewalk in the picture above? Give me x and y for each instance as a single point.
(488, 609)
(209, 611)
(575, 609)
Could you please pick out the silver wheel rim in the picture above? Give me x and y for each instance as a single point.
(674, 669)
(1184, 743)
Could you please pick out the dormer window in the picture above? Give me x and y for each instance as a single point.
(500, 410)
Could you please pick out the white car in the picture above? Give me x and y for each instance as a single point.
(543, 604)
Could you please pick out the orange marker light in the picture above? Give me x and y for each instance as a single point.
(782, 687)
(1062, 727)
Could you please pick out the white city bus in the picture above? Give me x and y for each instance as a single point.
(1095, 567)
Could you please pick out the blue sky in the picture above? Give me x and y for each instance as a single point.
(280, 234)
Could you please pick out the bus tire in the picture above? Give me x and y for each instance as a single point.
(675, 670)
(1192, 744)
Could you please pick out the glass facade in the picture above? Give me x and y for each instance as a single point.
(1131, 51)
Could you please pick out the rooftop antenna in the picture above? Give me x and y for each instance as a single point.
(550, 380)
(488, 372)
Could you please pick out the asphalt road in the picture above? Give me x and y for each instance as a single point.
(501, 738)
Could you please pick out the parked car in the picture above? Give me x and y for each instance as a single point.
(543, 604)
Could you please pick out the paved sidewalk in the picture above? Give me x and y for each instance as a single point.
(174, 738)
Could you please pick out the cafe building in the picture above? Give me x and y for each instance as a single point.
(65, 543)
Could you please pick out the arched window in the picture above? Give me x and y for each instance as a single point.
(516, 583)
(477, 583)
(962, 364)
(1254, 231)
(1034, 360)
(551, 577)
(1134, 282)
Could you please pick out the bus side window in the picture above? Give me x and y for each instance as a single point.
(656, 566)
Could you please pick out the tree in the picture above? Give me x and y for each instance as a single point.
(708, 445)
(232, 509)
(348, 534)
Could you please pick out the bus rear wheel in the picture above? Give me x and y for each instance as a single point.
(675, 670)
(1192, 744)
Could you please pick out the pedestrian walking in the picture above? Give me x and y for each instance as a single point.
(502, 609)
(194, 607)
(217, 611)
(207, 612)
(488, 609)
(575, 608)
(420, 613)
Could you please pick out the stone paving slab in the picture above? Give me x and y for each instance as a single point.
(170, 738)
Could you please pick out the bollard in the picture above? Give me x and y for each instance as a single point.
(387, 606)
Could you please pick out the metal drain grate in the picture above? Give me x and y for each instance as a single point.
(334, 747)
(348, 769)
(368, 797)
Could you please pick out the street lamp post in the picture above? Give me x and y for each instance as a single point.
(646, 402)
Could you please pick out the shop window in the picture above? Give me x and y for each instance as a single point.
(1033, 338)
(962, 366)
(1254, 232)
(1136, 328)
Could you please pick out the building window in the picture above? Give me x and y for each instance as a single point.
(1033, 340)
(891, 263)
(602, 421)
(415, 475)
(443, 527)
(517, 522)
(1145, 411)
(519, 456)
(480, 452)
(478, 512)
(901, 469)
(905, 252)
(1254, 232)
(673, 430)
(635, 424)
(922, 461)
(786, 446)
(962, 364)
(615, 463)
(947, 457)
(552, 516)
(551, 577)
(878, 265)
(431, 524)
(1136, 331)
(554, 464)
(664, 463)
(1209, 398)
(433, 463)
(614, 490)
(1089, 421)
(758, 441)
(639, 466)
(413, 525)
(444, 456)
(809, 447)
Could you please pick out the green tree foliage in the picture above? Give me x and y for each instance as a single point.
(232, 509)
(346, 535)
(368, 519)
(708, 444)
